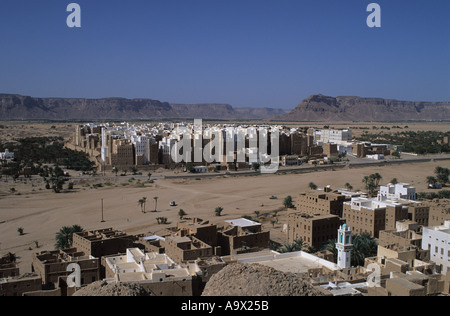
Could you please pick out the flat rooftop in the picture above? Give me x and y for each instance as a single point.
(295, 262)
(242, 222)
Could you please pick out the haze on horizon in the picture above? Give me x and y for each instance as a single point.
(255, 53)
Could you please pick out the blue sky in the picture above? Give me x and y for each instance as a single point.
(257, 53)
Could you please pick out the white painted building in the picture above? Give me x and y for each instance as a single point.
(142, 147)
(399, 191)
(375, 157)
(6, 155)
(334, 136)
(152, 267)
(436, 239)
(166, 145)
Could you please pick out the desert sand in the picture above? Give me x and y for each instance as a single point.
(42, 213)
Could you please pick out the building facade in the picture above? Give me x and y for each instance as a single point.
(436, 239)
(313, 230)
(321, 203)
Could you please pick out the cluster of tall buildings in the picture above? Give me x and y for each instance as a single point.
(125, 145)
(394, 217)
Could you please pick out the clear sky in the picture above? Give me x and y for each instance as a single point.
(257, 53)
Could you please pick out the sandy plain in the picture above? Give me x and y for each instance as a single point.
(42, 213)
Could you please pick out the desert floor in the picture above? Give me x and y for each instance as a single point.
(41, 213)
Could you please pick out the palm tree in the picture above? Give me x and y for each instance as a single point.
(364, 246)
(372, 182)
(348, 186)
(64, 237)
(366, 180)
(439, 170)
(219, 211)
(331, 247)
(377, 178)
(311, 249)
(142, 203)
(182, 213)
(156, 203)
(11, 257)
(442, 178)
(297, 245)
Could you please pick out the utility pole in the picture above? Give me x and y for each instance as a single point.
(102, 212)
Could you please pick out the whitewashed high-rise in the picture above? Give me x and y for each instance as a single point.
(436, 239)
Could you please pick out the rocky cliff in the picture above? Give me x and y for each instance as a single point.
(325, 108)
(18, 107)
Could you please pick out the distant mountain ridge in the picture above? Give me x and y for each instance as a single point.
(322, 108)
(18, 107)
(315, 108)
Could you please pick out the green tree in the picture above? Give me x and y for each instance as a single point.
(161, 220)
(156, 203)
(10, 257)
(133, 170)
(432, 180)
(331, 247)
(287, 203)
(394, 181)
(348, 186)
(364, 246)
(312, 186)
(440, 170)
(64, 237)
(115, 170)
(20, 230)
(297, 245)
(182, 213)
(256, 166)
(142, 203)
(189, 167)
(372, 182)
(219, 211)
(442, 178)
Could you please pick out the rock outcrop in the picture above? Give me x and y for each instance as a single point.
(322, 108)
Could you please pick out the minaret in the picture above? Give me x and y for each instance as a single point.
(344, 246)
